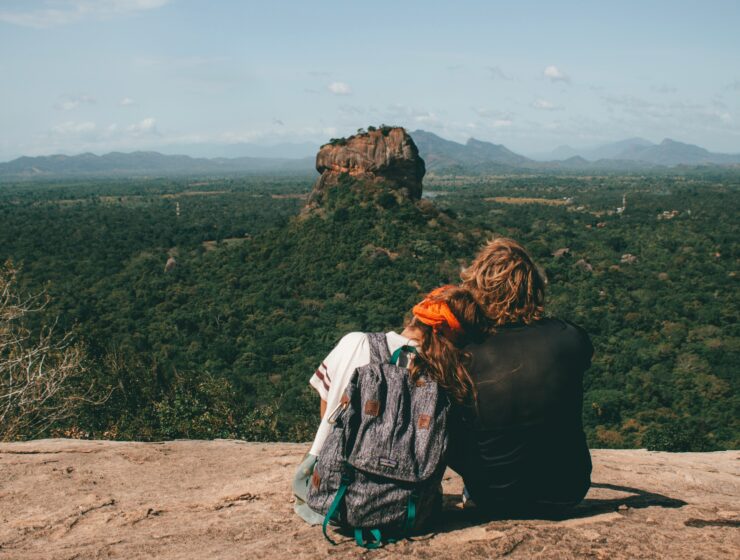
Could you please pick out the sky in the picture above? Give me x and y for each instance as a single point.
(178, 75)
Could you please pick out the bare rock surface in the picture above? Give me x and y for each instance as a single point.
(385, 156)
(71, 499)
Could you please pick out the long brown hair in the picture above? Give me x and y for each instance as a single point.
(439, 350)
(506, 283)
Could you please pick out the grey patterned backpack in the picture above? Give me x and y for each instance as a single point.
(380, 469)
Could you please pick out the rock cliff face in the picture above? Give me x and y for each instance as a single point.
(386, 156)
(230, 499)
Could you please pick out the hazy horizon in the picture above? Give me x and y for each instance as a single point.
(173, 75)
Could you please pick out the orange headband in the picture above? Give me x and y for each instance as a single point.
(436, 313)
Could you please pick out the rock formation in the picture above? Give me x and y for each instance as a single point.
(385, 156)
(231, 499)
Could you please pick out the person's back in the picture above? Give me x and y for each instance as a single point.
(521, 449)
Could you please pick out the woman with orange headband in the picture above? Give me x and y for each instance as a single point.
(445, 321)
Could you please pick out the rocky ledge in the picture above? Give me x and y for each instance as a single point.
(386, 156)
(66, 499)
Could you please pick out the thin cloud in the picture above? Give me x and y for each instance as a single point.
(65, 12)
(80, 136)
(404, 114)
(427, 118)
(74, 128)
(126, 102)
(723, 116)
(492, 114)
(555, 74)
(71, 102)
(352, 110)
(665, 115)
(630, 102)
(143, 127)
(339, 88)
(545, 105)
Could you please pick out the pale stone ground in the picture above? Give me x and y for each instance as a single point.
(70, 499)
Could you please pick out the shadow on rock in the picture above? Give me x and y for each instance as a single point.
(454, 518)
(637, 499)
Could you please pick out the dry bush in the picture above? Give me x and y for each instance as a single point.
(37, 370)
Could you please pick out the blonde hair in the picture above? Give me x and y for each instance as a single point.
(439, 350)
(506, 283)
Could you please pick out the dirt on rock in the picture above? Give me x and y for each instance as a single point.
(72, 499)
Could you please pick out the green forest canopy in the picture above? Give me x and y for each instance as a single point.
(223, 344)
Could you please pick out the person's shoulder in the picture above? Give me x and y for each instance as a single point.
(351, 347)
(396, 340)
(545, 326)
(351, 340)
(570, 330)
(556, 323)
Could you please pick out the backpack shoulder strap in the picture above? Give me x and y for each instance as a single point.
(379, 352)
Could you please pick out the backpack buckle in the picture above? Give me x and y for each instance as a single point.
(341, 407)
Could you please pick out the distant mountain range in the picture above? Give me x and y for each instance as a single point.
(612, 150)
(668, 153)
(633, 154)
(285, 150)
(146, 163)
(441, 156)
(475, 155)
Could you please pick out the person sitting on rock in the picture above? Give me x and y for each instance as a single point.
(521, 449)
(445, 321)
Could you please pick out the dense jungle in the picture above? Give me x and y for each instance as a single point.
(201, 306)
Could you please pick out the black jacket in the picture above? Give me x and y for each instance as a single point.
(523, 447)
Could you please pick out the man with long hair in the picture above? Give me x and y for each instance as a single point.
(520, 448)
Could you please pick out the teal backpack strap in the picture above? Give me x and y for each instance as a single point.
(378, 540)
(397, 353)
(410, 514)
(374, 533)
(335, 506)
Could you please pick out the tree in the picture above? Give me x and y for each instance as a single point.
(36, 371)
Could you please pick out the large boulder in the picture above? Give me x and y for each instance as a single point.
(386, 156)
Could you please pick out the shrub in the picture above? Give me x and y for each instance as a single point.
(37, 370)
(198, 407)
(680, 435)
